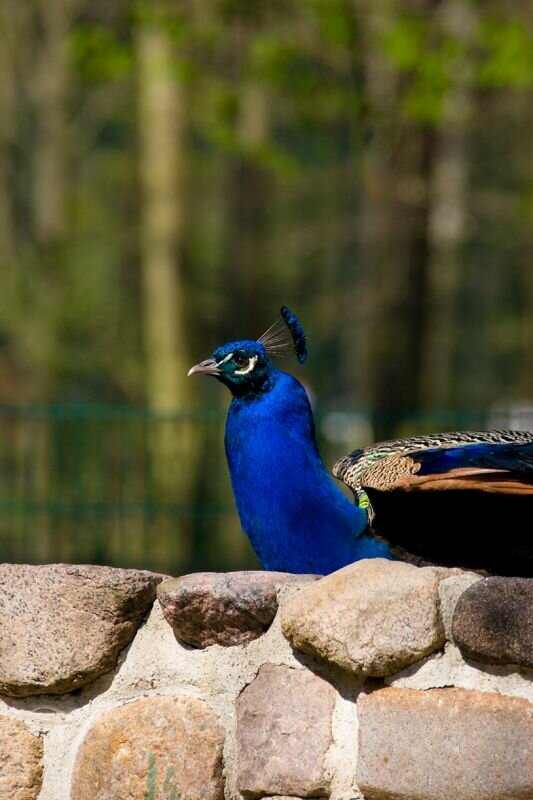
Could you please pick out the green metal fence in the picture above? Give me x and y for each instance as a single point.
(127, 487)
(117, 486)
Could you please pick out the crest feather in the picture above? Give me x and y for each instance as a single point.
(284, 336)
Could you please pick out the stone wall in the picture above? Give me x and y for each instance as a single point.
(383, 681)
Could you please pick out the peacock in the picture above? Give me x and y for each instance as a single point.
(454, 499)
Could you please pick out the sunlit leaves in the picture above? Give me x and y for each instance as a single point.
(507, 47)
(429, 60)
(403, 43)
(498, 53)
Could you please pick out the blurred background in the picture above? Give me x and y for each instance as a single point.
(172, 172)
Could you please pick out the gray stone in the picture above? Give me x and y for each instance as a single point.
(21, 761)
(493, 621)
(444, 744)
(61, 626)
(225, 608)
(283, 733)
(450, 590)
(157, 747)
(373, 617)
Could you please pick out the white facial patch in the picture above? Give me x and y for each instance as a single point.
(251, 364)
(219, 363)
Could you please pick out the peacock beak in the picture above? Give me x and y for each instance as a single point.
(207, 367)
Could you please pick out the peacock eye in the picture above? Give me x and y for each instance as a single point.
(240, 361)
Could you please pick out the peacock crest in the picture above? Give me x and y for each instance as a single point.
(285, 336)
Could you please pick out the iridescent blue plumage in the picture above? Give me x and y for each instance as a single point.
(295, 516)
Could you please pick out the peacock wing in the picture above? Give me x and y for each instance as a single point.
(496, 468)
(458, 504)
(351, 467)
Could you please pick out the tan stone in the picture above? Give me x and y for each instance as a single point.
(164, 747)
(373, 617)
(283, 733)
(62, 626)
(444, 744)
(21, 761)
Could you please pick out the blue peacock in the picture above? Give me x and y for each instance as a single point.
(455, 499)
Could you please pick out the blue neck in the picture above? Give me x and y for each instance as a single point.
(293, 513)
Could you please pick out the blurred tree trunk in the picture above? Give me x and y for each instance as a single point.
(446, 230)
(7, 141)
(252, 197)
(248, 196)
(524, 383)
(412, 228)
(394, 237)
(50, 98)
(161, 162)
(161, 112)
(375, 85)
(525, 376)
(401, 318)
(447, 220)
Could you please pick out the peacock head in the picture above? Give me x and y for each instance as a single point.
(244, 366)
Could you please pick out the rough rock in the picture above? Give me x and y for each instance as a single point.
(21, 761)
(61, 626)
(493, 621)
(373, 617)
(450, 590)
(283, 733)
(444, 744)
(157, 747)
(228, 608)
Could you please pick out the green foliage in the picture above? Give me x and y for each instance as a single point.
(100, 53)
(404, 42)
(429, 60)
(500, 54)
(507, 47)
(335, 23)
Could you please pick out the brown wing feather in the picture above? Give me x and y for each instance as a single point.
(466, 479)
(399, 473)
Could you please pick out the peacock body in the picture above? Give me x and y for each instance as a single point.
(457, 499)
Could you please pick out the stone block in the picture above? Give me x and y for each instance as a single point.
(450, 590)
(373, 617)
(158, 747)
(62, 626)
(493, 621)
(21, 761)
(224, 608)
(444, 744)
(283, 733)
